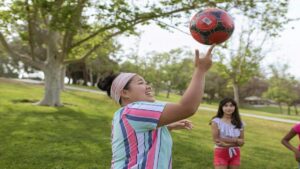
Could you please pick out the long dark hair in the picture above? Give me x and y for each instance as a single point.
(235, 118)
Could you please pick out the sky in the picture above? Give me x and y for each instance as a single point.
(284, 49)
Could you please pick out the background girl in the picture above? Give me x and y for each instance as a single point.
(228, 135)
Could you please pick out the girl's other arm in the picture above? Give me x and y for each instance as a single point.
(286, 142)
(222, 142)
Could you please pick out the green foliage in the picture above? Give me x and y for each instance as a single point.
(72, 19)
(215, 84)
(179, 69)
(8, 66)
(239, 64)
(91, 18)
(282, 86)
(166, 70)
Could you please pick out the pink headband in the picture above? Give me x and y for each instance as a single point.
(118, 85)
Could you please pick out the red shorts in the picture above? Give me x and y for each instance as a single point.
(223, 157)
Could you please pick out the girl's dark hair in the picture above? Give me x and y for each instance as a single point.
(236, 119)
(105, 83)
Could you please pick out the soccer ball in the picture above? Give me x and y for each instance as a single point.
(211, 26)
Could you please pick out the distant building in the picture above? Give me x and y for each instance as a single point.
(255, 100)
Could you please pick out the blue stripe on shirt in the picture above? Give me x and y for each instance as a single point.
(143, 119)
(126, 143)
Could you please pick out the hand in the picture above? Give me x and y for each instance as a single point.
(297, 156)
(182, 124)
(204, 62)
(240, 142)
(221, 143)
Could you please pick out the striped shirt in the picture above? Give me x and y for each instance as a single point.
(136, 142)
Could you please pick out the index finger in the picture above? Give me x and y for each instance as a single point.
(210, 49)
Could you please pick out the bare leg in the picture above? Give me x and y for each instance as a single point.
(221, 167)
(234, 167)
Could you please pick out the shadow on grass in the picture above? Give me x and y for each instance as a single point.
(58, 138)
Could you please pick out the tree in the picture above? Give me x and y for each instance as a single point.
(243, 63)
(216, 86)
(282, 87)
(96, 72)
(256, 86)
(50, 29)
(297, 100)
(183, 74)
(8, 67)
(11, 67)
(178, 70)
(165, 70)
(153, 70)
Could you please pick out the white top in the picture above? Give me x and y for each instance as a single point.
(227, 130)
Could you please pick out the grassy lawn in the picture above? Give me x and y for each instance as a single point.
(77, 136)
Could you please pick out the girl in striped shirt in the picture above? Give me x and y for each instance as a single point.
(140, 128)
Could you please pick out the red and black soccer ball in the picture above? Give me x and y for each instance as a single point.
(211, 26)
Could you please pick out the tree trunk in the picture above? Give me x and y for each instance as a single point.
(85, 76)
(62, 78)
(168, 91)
(236, 93)
(52, 89)
(296, 110)
(289, 109)
(156, 90)
(280, 108)
(98, 79)
(91, 77)
(69, 80)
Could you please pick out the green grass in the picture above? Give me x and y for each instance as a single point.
(77, 136)
(85, 87)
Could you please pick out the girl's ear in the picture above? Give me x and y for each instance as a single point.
(125, 94)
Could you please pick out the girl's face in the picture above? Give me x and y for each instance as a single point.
(139, 90)
(228, 108)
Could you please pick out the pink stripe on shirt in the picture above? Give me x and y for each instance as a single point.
(151, 154)
(133, 144)
(144, 113)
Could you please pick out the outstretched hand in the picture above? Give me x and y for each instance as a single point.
(182, 124)
(204, 61)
